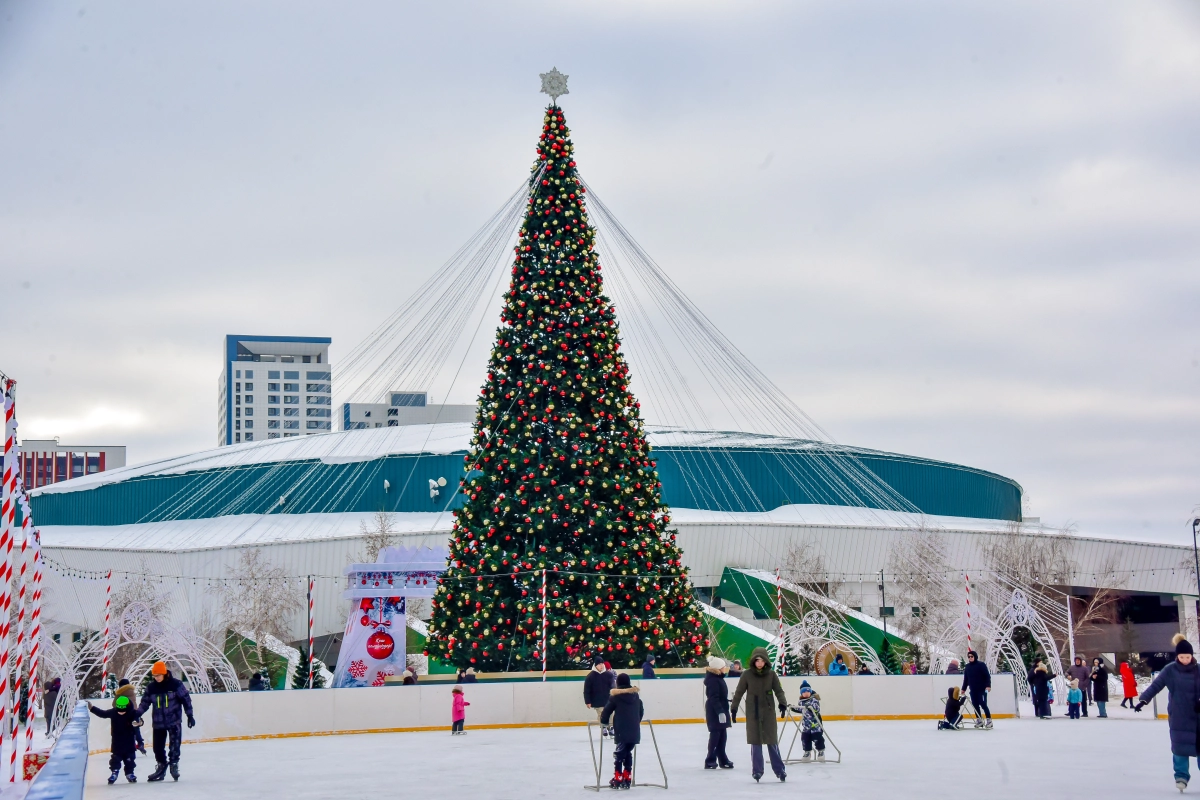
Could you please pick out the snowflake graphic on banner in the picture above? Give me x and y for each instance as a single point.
(382, 676)
(358, 669)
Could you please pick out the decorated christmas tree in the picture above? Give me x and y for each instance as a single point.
(560, 484)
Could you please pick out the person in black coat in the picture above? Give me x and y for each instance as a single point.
(1099, 678)
(1039, 687)
(648, 668)
(1182, 679)
(625, 709)
(50, 690)
(169, 698)
(124, 722)
(977, 680)
(596, 688)
(716, 714)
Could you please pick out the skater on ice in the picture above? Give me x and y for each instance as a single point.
(716, 714)
(596, 688)
(124, 688)
(952, 717)
(1039, 687)
(1074, 698)
(458, 711)
(124, 722)
(757, 685)
(624, 708)
(1181, 678)
(812, 726)
(977, 682)
(170, 700)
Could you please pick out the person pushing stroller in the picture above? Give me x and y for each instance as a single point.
(812, 726)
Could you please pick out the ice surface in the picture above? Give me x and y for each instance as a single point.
(1026, 758)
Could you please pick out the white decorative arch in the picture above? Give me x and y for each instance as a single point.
(817, 630)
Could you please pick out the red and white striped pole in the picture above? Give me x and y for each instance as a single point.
(310, 631)
(782, 665)
(968, 580)
(107, 611)
(8, 512)
(19, 660)
(545, 642)
(35, 627)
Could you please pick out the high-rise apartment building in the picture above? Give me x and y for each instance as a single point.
(274, 387)
(46, 461)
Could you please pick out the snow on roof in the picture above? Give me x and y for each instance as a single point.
(342, 447)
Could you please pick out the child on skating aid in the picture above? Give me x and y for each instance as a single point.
(953, 715)
(625, 709)
(458, 711)
(1074, 698)
(124, 721)
(812, 727)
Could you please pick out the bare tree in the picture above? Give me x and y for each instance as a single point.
(377, 536)
(804, 565)
(259, 599)
(918, 560)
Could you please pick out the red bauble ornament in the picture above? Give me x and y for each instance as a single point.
(380, 645)
(364, 620)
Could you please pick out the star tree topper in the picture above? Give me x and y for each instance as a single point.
(554, 83)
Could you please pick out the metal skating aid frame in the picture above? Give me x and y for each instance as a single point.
(789, 717)
(598, 759)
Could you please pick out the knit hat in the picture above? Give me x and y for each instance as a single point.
(456, 690)
(599, 662)
(804, 687)
(716, 663)
(121, 702)
(622, 681)
(1182, 645)
(159, 668)
(123, 682)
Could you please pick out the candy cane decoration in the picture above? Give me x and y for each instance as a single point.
(968, 578)
(310, 631)
(35, 625)
(19, 660)
(8, 516)
(543, 625)
(107, 610)
(782, 666)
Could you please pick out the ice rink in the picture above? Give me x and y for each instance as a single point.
(1061, 758)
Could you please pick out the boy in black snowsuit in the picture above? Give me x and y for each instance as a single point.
(124, 723)
(170, 699)
(625, 709)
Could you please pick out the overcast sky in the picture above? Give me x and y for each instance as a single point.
(963, 231)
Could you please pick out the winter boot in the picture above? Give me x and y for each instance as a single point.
(116, 773)
(806, 757)
(821, 756)
(615, 783)
(174, 771)
(160, 770)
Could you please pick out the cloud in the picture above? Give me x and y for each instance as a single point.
(109, 421)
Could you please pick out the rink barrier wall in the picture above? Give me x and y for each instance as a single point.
(62, 776)
(324, 712)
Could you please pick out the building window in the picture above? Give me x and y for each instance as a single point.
(291, 424)
(286, 435)
(249, 398)
(366, 413)
(237, 412)
(272, 374)
(291, 412)
(272, 398)
(272, 387)
(237, 387)
(307, 359)
(291, 387)
(318, 412)
(272, 423)
(272, 435)
(237, 425)
(249, 412)
(237, 399)
(249, 373)
(317, 387)
(272, 412)
(287, 359)
(249, 388)
(237, 373)
(318, 400)
(249, 437)
(237, 437)
(393, 423)
(291, 399)
(393, 412)
(317, 376)
(289, 375)
(249, 424)
(317, 425)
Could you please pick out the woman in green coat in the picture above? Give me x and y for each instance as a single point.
(757, 684)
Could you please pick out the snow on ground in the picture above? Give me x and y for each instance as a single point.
(1023, 758)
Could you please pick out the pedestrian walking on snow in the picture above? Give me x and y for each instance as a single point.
(458, 711)
(716, 714)
(757, 685)
(625, 709)
(124, 722)
(977, 680)
(1082, 674)
(1099, 679)
(1181, 678)
(1128, 684)
(170, 700)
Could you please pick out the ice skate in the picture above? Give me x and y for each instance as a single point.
(727, 765)
(615, 783)
(757, 776)
(807, 757)
(174, 771)
(159, 771)
(116, 773)
(821, 756)
(988, 725)
(782, 777)
(129, 776)
(1181, 785)
(627, 779)
(978, 723)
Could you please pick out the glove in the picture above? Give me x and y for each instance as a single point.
(191, 722)
(1139, 706)
(733, 717)
(782, 709)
